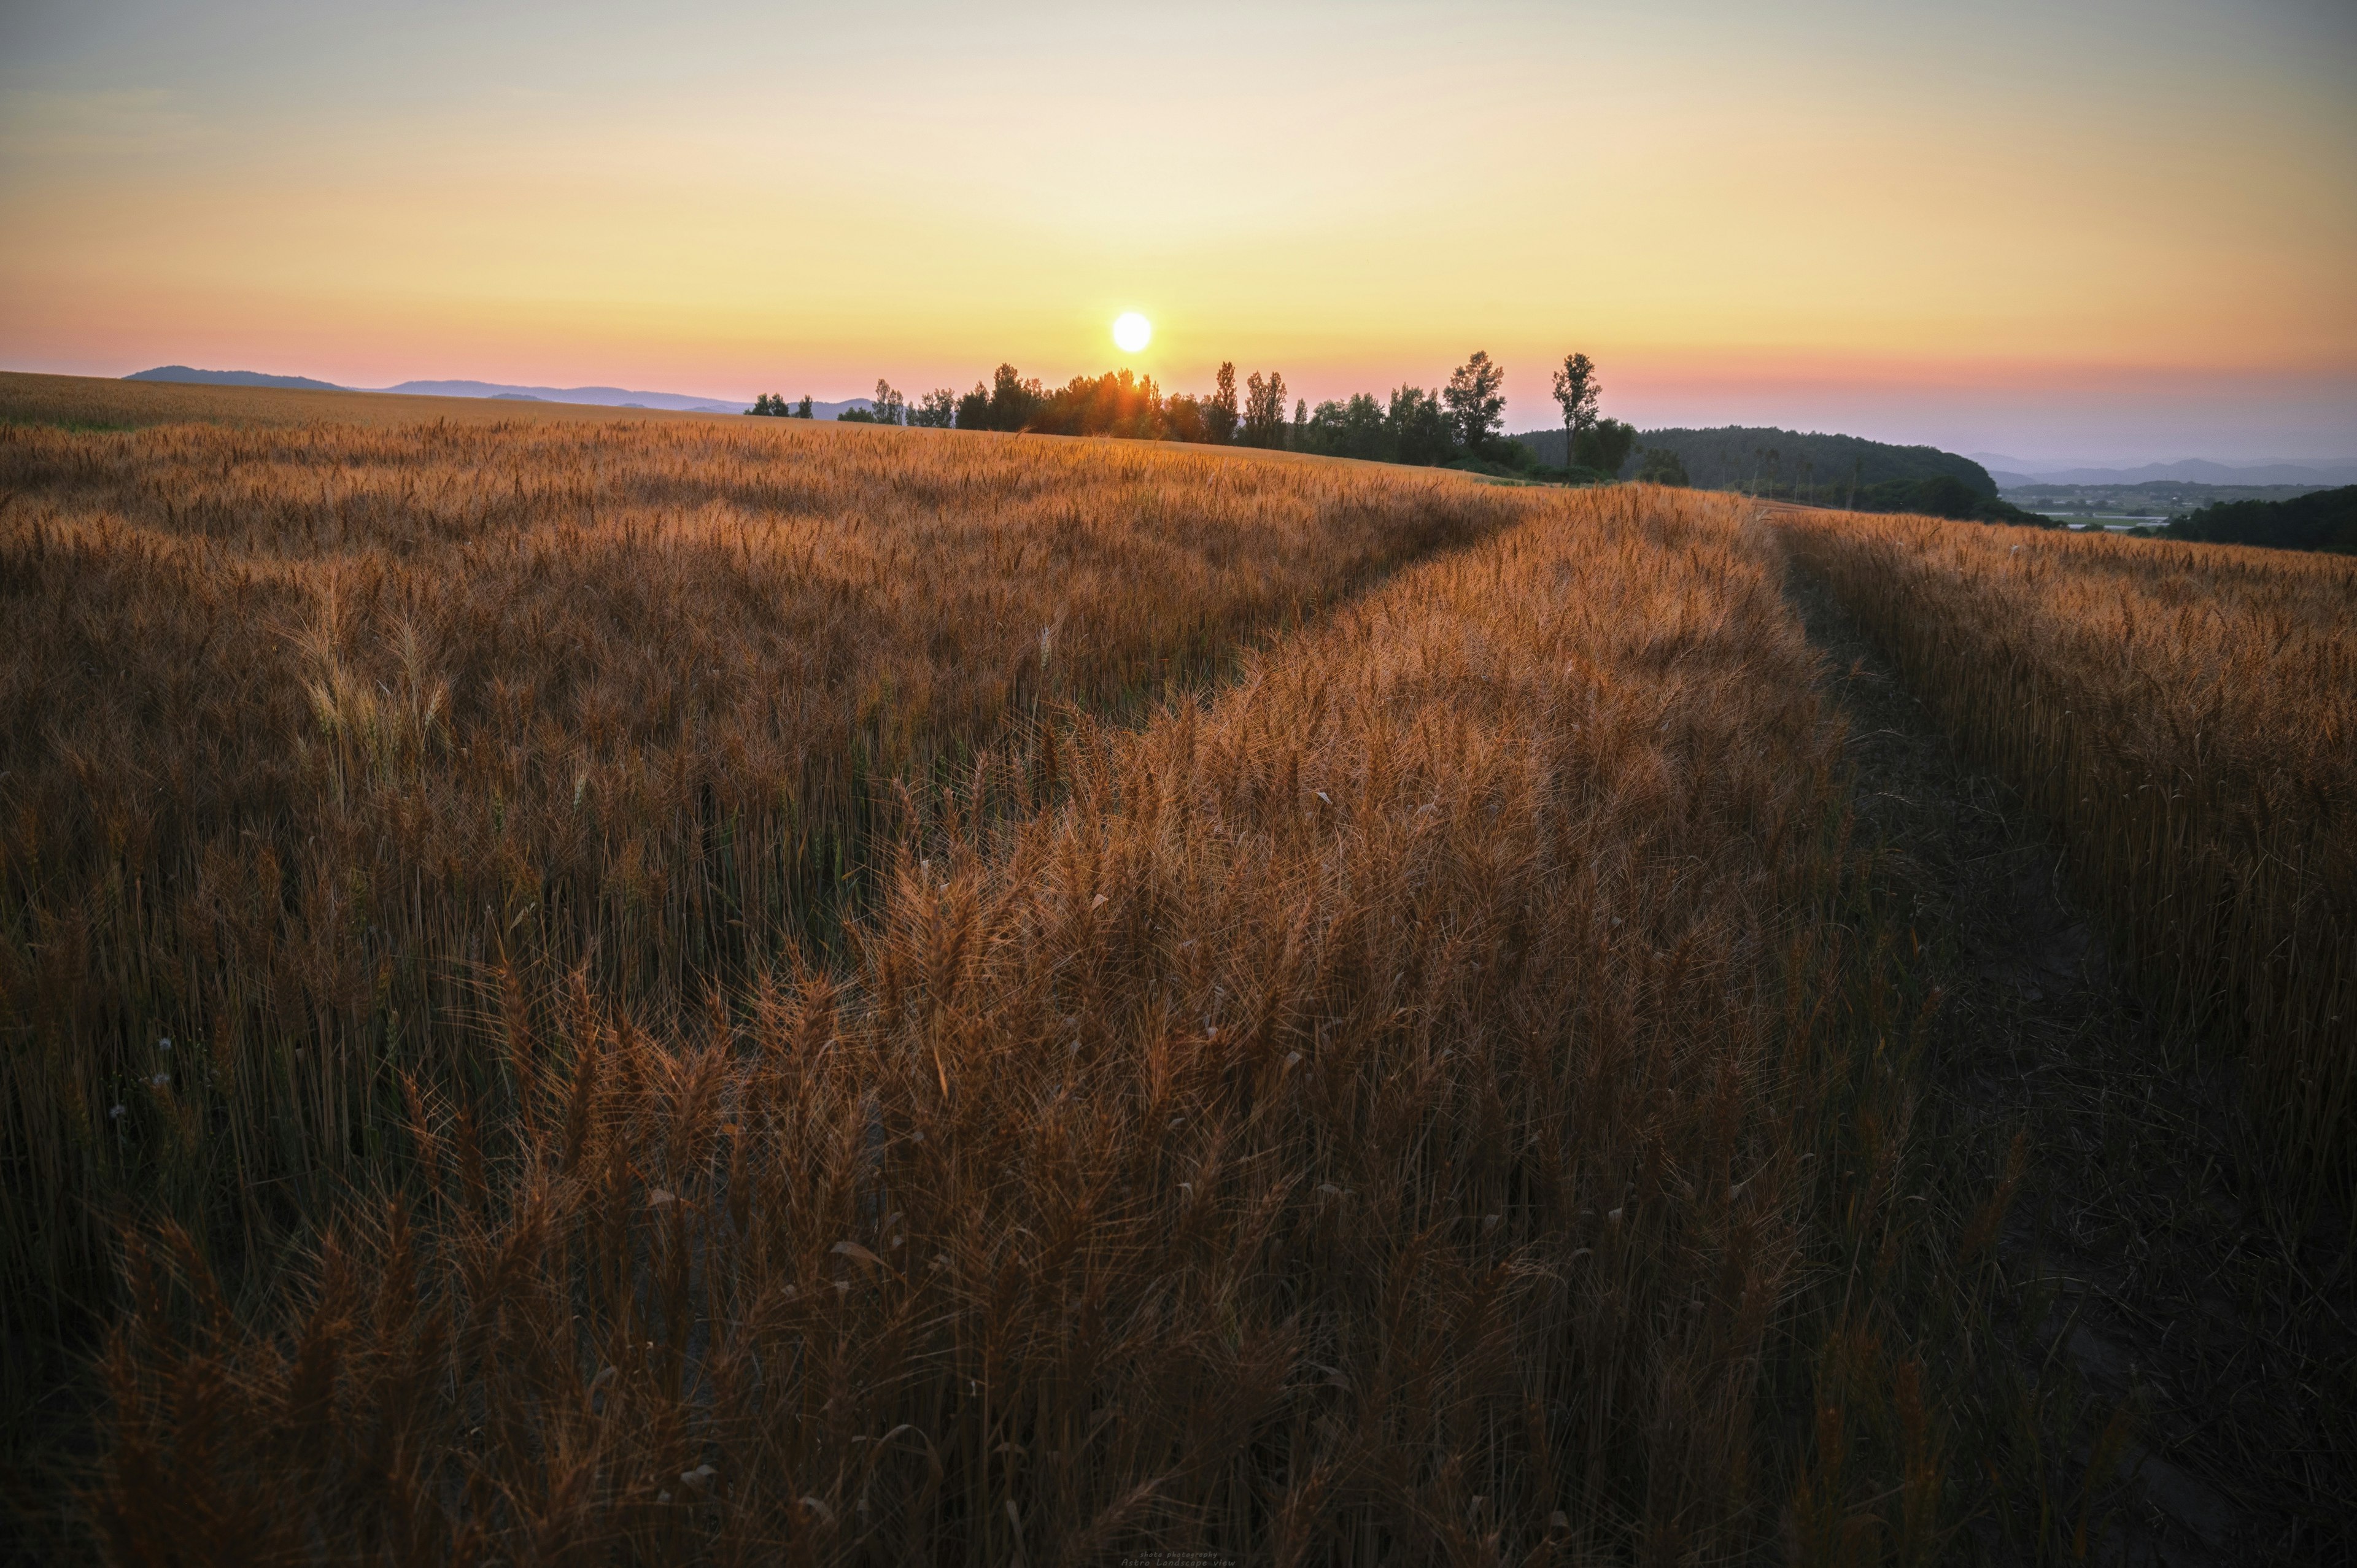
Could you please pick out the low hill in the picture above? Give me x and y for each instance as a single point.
(231, 379)
(2321, 519)
(1786, 462)
(1823, 467)
(1822, 471)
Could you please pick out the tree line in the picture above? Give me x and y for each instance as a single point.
(1457, 425)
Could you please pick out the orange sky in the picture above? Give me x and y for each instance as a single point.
(1968, 225)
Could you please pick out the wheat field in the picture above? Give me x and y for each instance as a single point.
(1369, 1113)
(316, 741)
(734, 990)
(2187, 715)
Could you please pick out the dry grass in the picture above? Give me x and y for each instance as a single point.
(309, 735)
(2188, 714)
(1378, 1114)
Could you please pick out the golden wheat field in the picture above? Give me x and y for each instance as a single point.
(313, 732)
(2189, 714)
(632, 991)
(1365, 1115)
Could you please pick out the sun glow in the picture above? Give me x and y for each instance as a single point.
(1132, 331)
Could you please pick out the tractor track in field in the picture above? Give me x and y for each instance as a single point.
(2145, 1295)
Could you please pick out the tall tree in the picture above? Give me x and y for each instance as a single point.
(938, 411)
(1475, 400)
(1418, 428)
(1183, 418)
(1013, 399)
(1604, 446)
(1577, 390)
(1264, 411)
(1220, 413)
(974, 409)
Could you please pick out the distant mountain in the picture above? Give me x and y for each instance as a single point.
(602, 397)
(606, 397)
(2018, 472)
(232, 379)
(596, 397)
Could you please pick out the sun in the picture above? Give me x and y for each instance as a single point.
(1132, 331)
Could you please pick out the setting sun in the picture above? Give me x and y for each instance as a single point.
(1132, 331)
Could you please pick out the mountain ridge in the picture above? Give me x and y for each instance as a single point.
(2012, 473)
(595, 397)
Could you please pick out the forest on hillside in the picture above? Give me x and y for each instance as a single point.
(2321, 519)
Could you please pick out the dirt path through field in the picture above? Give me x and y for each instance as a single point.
(2147, 1309)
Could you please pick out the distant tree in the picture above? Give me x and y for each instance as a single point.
(769, 405)
(1220, 413)
(1476, 402)
(1013, 399)
(1183, 420)
(803, 410)
(886, 407)
(1604, 446)
(1264, 411)
(1298, 439)
(1119, 403)
(974, 409)
(1662, 467)
(937, 412)
(1352, 429)
(1419, 430)
(1577, 389)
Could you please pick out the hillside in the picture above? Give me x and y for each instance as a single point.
(1819, 470)
(2321, 519)
(1785, 462)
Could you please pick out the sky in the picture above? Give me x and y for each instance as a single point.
(2090, 231)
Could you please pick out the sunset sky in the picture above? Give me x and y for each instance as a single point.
(2109, 232)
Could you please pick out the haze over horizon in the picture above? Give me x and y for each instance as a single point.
(2123, 235)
